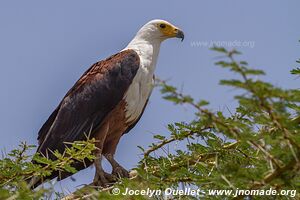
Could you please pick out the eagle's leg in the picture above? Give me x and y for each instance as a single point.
(109, 149)
(101, 178)
(117, 169)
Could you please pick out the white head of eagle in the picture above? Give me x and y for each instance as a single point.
(158, 30)
(106, 102)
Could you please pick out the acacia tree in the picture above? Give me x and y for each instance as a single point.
(256, 147)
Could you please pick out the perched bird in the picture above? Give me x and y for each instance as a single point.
(107, 102)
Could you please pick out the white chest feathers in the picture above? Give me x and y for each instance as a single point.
(143, 82)
(138, 93)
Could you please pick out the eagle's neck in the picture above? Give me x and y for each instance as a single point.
(147, 49)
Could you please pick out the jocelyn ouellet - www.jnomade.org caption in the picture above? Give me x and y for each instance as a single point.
(200, 193)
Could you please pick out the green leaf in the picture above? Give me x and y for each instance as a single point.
(219, 49)
(159, 137)
(202, 103)
(295, 71)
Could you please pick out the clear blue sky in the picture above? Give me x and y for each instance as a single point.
(45, 46)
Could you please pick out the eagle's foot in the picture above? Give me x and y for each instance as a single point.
(103, 179)
(120, 172)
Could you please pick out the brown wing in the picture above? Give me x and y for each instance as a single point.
(87, 103)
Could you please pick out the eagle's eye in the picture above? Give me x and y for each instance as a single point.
(162, 26)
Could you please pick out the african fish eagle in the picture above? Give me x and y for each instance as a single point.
(107, 101)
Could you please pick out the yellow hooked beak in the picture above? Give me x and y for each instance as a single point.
(170, 31)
